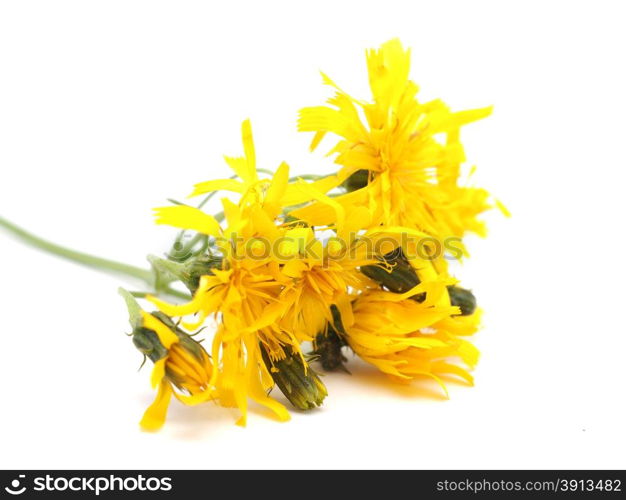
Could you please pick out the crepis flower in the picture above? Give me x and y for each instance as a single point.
(418, 333)
(399, 157)
(181, 365)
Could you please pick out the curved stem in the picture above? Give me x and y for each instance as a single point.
(83, 258)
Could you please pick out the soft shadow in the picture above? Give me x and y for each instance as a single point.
(190, 423)
(366, 375)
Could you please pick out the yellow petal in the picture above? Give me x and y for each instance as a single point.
(294, 268)
(185, 217)
(158, 372)
(470, 115)
(388, 70)
(321, 214)
(248, 148)
(317, 138)
(177, 309)
(241, 399)
(256, 391)
(154, 417)
(239, 165)
(196, 399)
(295, 196)
(270, 314)
(166, 336)
(217, 185)
(194, 325)
(443, 367)
(345, 310)
(503, 209)
(279, 184)
(314, 194)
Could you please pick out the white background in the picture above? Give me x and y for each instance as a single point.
(108, 108)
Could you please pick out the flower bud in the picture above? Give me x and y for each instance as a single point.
(328, 345)
(197, 267)
(187, 366)
(462, 298)
(179, 362)
(357, 180)
(296, 380)
(400, 279)
(190, 271)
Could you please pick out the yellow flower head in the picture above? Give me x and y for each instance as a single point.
(410, 150)
(244, 296)
(323, 276)
(408, 338)
(318, 279)
(179, 363)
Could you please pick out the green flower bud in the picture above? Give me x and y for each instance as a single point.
(400, 279)
(297, 381)
(197, 267)
(463, 298)
(190, 271)
(328, 345)
(357, 180)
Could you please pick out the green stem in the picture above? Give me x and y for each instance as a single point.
(73, 255)
(92, 261)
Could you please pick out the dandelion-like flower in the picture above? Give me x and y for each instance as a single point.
(181, 365)
(401, 157)
(407, 338)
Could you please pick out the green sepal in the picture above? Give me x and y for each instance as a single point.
(188, 272)
(297, 381)
(328, 345)
(395, 273)
(148, 343)
(134, 310)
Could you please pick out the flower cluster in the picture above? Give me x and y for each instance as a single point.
(354, 261)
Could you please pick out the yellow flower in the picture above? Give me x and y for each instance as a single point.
(408, 338)
(179, 363)
(317, 281)
(245, 295)
(411, 150)
(325, 276)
